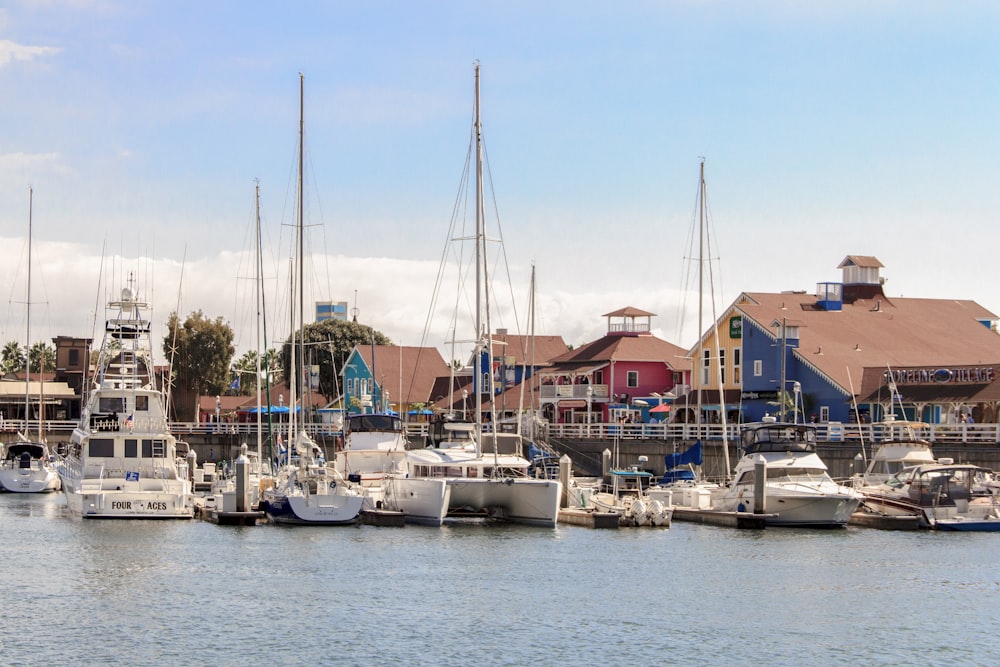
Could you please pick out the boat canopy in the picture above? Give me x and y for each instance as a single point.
(362, 422)
(16, 449)
(693, 455)
(778, 437)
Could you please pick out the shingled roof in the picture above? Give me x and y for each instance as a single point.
(411, 370)
(877, 332)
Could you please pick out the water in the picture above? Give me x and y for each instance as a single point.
(181, 593)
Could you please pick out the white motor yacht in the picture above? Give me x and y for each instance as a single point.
(122, 460)
(799, 490)
(26, 467)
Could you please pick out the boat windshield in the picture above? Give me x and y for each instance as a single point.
(358, 423)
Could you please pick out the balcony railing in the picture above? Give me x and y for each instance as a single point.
(558, 391)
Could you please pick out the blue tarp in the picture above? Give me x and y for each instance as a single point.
(692, 455)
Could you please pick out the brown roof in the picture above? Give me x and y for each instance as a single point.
(519, 347)
(870, 333)
(629, 311)
(412, 370)
(865, 261)
(626, 348)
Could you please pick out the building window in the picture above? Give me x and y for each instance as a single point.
(706, 365)
(632, 379)
(74, 357)
(758, 368)
(599, 377)
(722, 368)
(824, 413)
(736, 366)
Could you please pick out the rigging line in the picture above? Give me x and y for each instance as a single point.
(502, 252)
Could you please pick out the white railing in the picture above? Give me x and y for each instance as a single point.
(831, 432)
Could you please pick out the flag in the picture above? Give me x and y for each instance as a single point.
(132, 476)
(129, 423)
(235, 386)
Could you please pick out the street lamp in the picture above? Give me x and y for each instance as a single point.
(465, 397)
(590, 397)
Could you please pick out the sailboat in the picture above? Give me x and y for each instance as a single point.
(306, 490)
(684, 476)
(26, 466)
(486, 472)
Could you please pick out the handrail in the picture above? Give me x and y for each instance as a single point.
(825, 432)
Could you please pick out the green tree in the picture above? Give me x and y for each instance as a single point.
(42, 356)
(245, 368)
(200, 351)
(12, 357)
(327, 344)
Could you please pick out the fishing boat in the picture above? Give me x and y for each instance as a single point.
(799, 490)
(26, 466)
(306, 491)
(486, 472)
(633, 496)
(122, 459)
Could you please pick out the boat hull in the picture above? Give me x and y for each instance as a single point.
(526, 501)
(314, 510)
(422, 501)
(130, 505)
(22, 480)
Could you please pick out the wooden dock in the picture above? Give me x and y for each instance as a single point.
(577, 516)
(746, 520)
(381, 517)
(215, 515)
(884, 521)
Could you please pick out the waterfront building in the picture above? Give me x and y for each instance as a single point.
(814, 355)
(378, 378)
(515, 360)
(616, 376)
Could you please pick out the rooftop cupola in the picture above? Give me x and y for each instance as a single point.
(861, 278)
(629, 321)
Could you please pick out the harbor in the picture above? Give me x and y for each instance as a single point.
(563, 590)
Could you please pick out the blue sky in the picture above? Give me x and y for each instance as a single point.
(828, 129)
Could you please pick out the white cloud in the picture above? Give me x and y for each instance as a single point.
(12, 51)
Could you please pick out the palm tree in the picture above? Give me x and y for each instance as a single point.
(12, 358)
(43, 357)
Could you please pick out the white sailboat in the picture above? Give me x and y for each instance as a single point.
(26, 466)
(122, 458)
(306, 490)
(486, 472)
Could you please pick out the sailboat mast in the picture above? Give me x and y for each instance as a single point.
(480, 267)
(27, 334)
(701, 290)
(301, 233)
(257, 303)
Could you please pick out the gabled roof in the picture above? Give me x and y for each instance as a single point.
(863, 261)
(877, 332)
(626, 348)
(410, 370)
(517, 346)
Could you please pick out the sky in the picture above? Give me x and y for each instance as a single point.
(827, 129)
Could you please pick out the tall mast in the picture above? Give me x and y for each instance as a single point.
(27, 336)
(701, 290)
(480, 272)
(300, 230)
(257, 304)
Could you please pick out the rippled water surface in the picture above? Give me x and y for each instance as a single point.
(182, 593)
